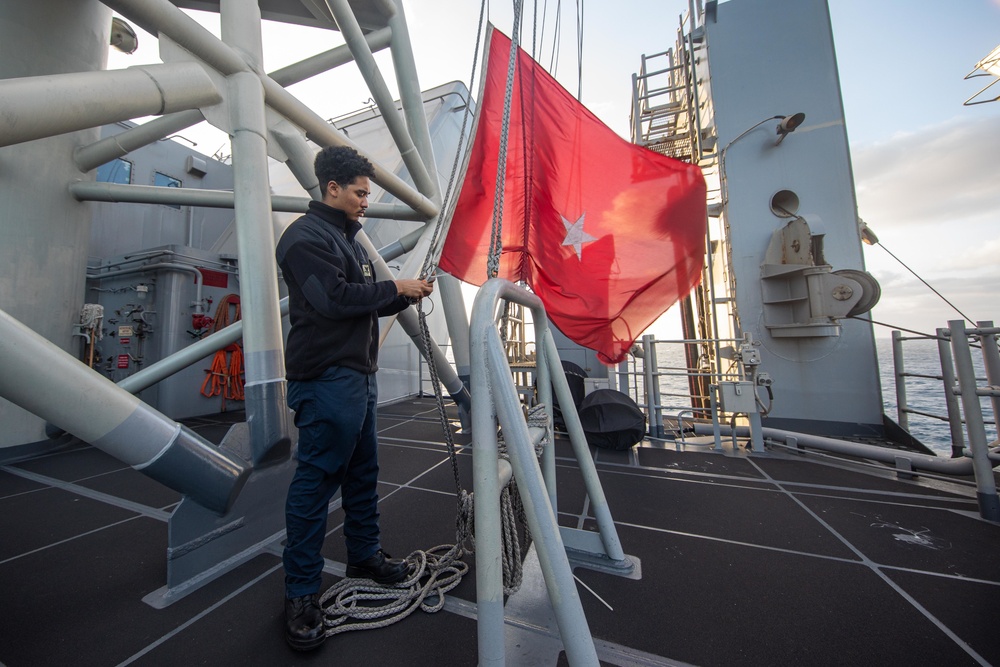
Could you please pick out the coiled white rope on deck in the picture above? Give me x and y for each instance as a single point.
(362, 604)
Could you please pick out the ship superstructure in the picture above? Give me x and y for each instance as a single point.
(127, 485)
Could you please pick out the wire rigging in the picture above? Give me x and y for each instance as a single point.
(967, 318)
(579, 49)
(556, 38)
(429, 266)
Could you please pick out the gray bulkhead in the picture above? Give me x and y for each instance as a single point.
(771, 58)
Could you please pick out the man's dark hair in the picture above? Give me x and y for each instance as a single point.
(341, 164)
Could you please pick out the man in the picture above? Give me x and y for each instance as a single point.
(330, 359)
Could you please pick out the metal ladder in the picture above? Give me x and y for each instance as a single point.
(671, 110)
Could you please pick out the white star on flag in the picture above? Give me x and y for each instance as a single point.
(575, 236)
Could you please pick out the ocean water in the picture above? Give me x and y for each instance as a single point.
(924, 394)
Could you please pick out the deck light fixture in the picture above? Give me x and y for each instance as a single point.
(867, 235)
(788, 125)
(123, 36)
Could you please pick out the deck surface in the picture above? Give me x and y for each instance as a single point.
(762, 560)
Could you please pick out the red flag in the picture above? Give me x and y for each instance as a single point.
(608, 234)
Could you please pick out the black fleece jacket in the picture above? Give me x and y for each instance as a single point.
(333, 300)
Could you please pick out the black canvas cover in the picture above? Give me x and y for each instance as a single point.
(574, 378)
(611, 419)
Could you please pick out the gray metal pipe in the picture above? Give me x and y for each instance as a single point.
(263, 350)
(90, 99)
(395, 212)
(545, 376)
(109, 148)
(105, 150)
(492, 381)
(991, 361)
(577, 438)
(489, 568)
(187, 356)
(651, 385)
(81, 401)
(161, 18)
(899, 371)
(411, 97)
(151, 194)
(986, 486)
(455, 315)
(159, 266)
(950, 399)
(351, 31)
(399, 247)
(413, 108)
(300, 157)
(946, 466)
(320, 132)
(323, 62)
(456, 389)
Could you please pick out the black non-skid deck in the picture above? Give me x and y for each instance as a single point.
(762, 560)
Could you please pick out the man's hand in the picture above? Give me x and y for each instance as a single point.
(414, 289)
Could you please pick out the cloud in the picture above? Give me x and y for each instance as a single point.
(942, 174)
(932, 197)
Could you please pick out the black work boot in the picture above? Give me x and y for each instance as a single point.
(304, 628)
(381, 568)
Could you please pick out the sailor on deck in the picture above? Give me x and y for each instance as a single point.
(331, 359)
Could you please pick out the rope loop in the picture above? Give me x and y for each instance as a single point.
(362, 604)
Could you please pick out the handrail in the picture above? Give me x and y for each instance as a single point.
(986, 485)
(495, 399)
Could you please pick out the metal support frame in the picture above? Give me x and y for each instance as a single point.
(81, 401)
(899, 371)
(986, 487)
(651, 382)
(991, 361)
(220, 80)
(27, 112)
(262, 337)
(496, 400)
(950, 399)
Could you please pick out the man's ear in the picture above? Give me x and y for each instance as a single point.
(333, 188)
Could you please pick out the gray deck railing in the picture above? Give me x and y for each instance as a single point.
(970, 391)
(495, 399)
(949, 380)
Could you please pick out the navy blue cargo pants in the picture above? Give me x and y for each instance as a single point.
(335, 415)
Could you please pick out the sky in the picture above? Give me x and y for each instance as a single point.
(926, 168)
